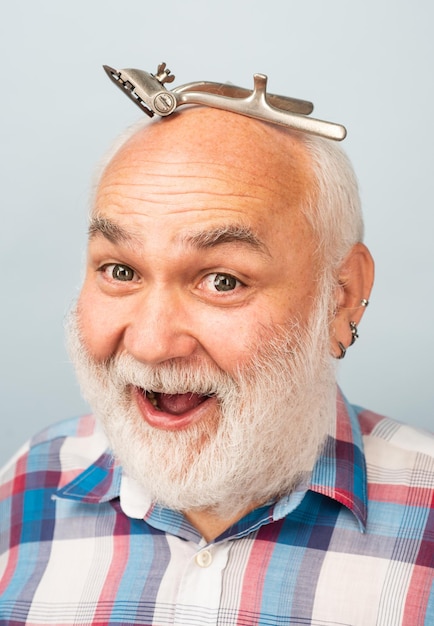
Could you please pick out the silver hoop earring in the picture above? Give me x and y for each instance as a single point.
(342, 349)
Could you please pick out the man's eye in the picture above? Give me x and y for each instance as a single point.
(120, 272)
(223, 282)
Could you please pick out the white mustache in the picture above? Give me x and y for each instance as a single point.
(169, 378)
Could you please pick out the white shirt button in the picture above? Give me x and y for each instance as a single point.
(204, 558)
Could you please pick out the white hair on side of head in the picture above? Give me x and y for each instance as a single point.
(334, 211)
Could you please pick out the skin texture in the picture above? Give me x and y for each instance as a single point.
(202, 194)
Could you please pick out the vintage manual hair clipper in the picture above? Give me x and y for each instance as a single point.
(150, 94)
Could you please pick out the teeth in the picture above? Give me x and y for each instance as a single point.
(152, 399)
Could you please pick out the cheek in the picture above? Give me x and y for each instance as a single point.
(226, 344)
(232, 340)
(229, 338)
(97, 322)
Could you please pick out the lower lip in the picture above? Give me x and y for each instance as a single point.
(169, 421)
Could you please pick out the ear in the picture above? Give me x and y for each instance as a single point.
(355, 279)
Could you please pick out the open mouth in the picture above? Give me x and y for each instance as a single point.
(174, 403)
(173, 411)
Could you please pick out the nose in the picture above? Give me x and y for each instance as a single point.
(160, 328)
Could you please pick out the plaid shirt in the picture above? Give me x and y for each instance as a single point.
(80, 544)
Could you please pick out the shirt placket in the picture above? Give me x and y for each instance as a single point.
(200, 588)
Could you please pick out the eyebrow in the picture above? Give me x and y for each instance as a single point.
(231, 233)
(201, 240)
(100, 225)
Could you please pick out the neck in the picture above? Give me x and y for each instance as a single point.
(211, 525)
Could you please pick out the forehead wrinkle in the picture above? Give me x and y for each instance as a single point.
(157, 197)
(151, 177)
(153, 188)
(218, 235)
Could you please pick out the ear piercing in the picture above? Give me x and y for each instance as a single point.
(354, 332)
(342, 349)
(354, 336)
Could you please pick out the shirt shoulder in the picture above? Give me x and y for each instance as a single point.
(397, 454)
(401, 436)
(82, 426)
(62, 449)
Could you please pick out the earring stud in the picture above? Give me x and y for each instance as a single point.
(354, 332)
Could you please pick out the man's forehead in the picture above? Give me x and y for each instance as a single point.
(219, 153)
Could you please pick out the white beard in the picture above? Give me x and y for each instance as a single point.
(273, 417)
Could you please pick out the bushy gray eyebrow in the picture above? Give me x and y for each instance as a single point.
(110, 230)
(201, 239)
(232, 233)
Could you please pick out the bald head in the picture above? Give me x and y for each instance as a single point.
(232, 137)
(232, 147)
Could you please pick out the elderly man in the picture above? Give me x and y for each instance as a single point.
(223, 478)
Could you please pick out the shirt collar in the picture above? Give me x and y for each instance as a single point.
(339, 473)
(100, 482)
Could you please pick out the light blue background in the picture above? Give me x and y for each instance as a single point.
(366, 64)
